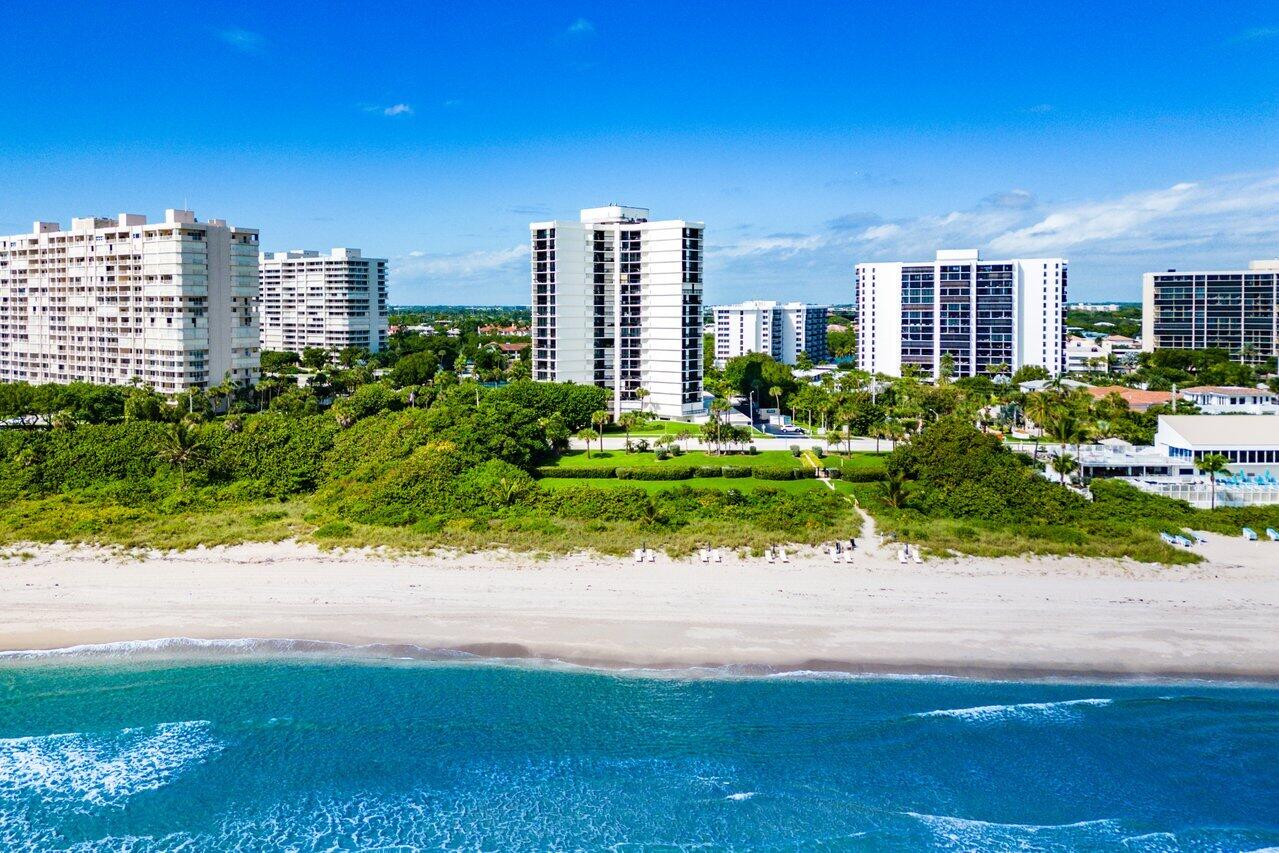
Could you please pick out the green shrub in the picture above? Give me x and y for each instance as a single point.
(861, 475)
(819, 452)
(795, 450)
(734, 471)
(709, 471)
(835, 473)
(684, 472)
(763, 472)
(555, 473)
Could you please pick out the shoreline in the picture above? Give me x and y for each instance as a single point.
(1008, 619)
(193, 650)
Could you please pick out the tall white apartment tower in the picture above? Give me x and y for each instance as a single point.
(114, 300)
(330, 300)
(782, 331)
(617, 302)
(980, 313)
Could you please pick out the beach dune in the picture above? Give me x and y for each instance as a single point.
(966, 616)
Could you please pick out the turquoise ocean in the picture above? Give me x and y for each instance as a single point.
(261, 747)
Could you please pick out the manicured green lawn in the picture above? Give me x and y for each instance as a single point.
(620, 458)
(742, 484)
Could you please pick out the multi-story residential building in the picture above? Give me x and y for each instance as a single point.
(1234, 310)
(981, 314)
(116, 300)
(330, 301)
(617, 302)
(781, 331)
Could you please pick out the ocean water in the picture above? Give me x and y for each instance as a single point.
(319, 750)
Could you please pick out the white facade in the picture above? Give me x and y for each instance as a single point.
(1232, 400)
(331, 301)
(782, 331)
(980, 313)
(114, 300)
(1084, 355)
(617, 302)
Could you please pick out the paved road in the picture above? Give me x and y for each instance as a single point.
(618, 442)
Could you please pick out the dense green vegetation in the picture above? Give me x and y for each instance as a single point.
(453, 467)
(953, 488)
(1126, 321)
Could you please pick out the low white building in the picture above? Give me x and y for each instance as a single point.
(1095, 354)
(1250, 443)
(1232, 400)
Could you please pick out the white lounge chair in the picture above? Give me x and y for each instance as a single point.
(768, 553)
(705, 555)
(914, 555)
(848, 556)
(901, 555)
(639, 555)
(718, 556)
(652, 555)
(1199, 537)
(781, 552)
(834, 554)
(1273, 534)
(1250, 534)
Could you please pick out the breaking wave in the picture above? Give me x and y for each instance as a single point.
(1064, 710)
(103, 768)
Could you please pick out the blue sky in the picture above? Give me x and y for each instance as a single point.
(808, 137)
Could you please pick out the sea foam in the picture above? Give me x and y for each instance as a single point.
(1064, 710)
(103, 768)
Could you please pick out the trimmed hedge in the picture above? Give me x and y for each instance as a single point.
(773, 473)
(834, 473)
(683, 472)
(731, 471)
(862, 476)
(709, 471)
(555, 473)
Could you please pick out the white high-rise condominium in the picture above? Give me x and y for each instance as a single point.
(782, 331)
(617, 302)
(112, 301)
(330, 301)
(982, 314)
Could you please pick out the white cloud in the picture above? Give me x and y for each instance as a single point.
(1041, 108)
(1228, 219)
(419, 265)
(398, 110)
(1258, 34)
(243, 40)
(580, 27)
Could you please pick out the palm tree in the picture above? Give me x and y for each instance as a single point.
(1063, 463)
(776, 393)
(1211, 464)
(587, 435)
(598, 420)
(683, 434)
(895, 489)
(628, 421)
(894, 431)
(1040, 409)
(641, 394)
(182, 447)
(63, 419)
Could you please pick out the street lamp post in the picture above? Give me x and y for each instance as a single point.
(752, 403)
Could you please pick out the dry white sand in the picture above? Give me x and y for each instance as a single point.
(1010, 617)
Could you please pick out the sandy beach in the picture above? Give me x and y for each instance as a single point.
(970, 616)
